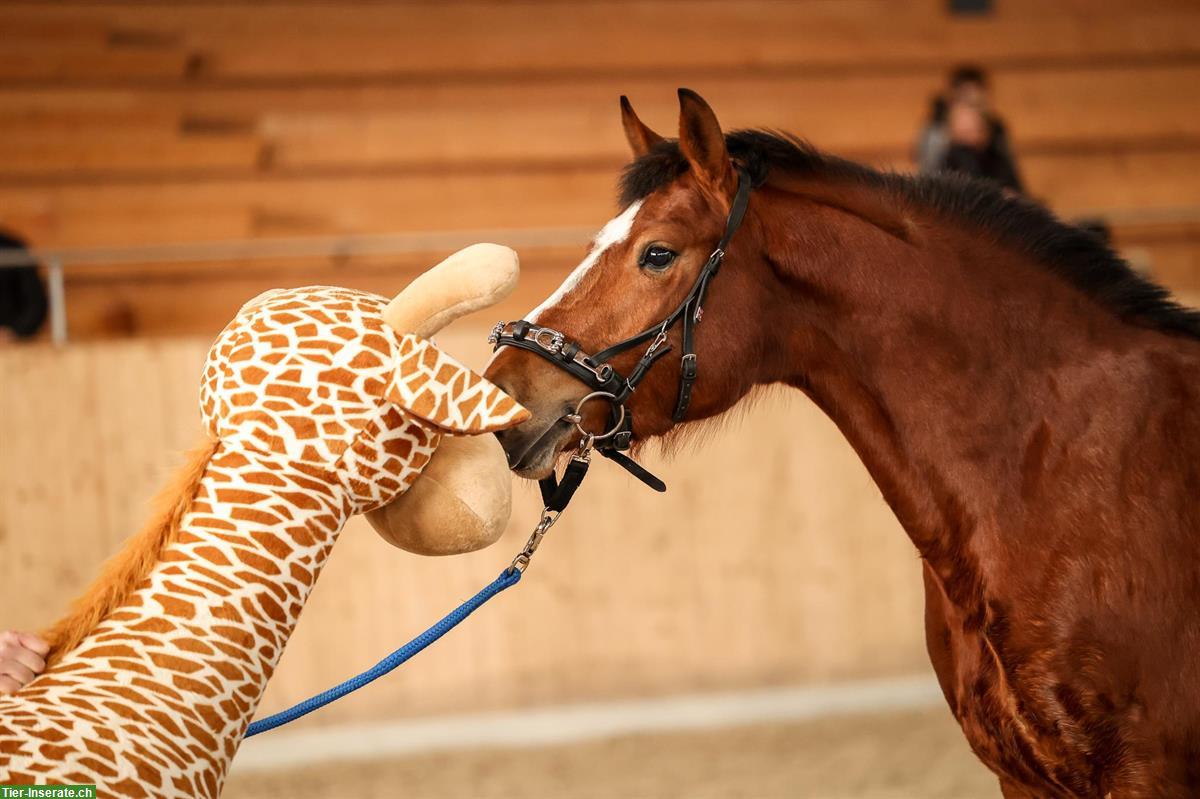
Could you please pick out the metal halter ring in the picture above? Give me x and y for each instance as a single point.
(576, 418)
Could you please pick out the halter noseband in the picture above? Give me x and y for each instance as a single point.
(606, 382)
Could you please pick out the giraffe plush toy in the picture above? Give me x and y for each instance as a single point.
(319, 403)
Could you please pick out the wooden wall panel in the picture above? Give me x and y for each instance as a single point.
(87, 215)
(132, 123)
(120, 133)
(125, 300)
(86, 436)
(98, 215)
(110, 302)
(221, 42)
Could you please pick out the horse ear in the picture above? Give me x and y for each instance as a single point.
(703, 144)
(641, 139)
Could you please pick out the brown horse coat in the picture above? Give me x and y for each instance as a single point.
(1027, 405)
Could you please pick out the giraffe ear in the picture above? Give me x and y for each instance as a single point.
(437, 389)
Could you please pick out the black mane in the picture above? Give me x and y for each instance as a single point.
(1076, 255)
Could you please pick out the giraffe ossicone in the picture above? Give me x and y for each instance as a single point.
(319, 403)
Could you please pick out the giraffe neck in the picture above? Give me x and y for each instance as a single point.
(192, 649)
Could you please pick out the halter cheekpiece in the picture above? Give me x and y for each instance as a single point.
(598, 374)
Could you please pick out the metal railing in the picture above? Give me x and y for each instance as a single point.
(57, 260)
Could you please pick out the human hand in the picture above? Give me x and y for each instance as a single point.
(22, 657)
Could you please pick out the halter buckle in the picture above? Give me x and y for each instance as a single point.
(688, 367)
(555, 342)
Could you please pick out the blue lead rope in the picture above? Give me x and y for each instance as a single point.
(507, 579)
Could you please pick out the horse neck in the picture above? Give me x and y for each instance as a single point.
(953, 366)
(199, 638)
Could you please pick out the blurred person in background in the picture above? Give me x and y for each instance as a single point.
(23, 302)
(964, 135)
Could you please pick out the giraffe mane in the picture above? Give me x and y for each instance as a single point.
(126, 570)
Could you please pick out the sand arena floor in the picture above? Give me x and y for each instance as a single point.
(909, 755)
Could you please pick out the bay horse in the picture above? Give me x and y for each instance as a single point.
(1025, 402)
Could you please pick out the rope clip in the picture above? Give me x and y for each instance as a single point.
(521, 561)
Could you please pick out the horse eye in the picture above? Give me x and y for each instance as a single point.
(656, 257)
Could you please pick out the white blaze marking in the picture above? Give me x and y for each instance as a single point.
(615, 232)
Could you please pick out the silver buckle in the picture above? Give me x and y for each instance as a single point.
(555, 343)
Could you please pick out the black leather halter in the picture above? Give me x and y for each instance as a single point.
(606, 382)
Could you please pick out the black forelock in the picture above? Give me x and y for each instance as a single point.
(1073, 253)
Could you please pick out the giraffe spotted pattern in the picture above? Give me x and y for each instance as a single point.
(318, 410)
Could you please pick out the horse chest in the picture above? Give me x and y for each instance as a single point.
(1019, 730)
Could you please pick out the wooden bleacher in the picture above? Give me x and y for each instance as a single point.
(140, 123)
